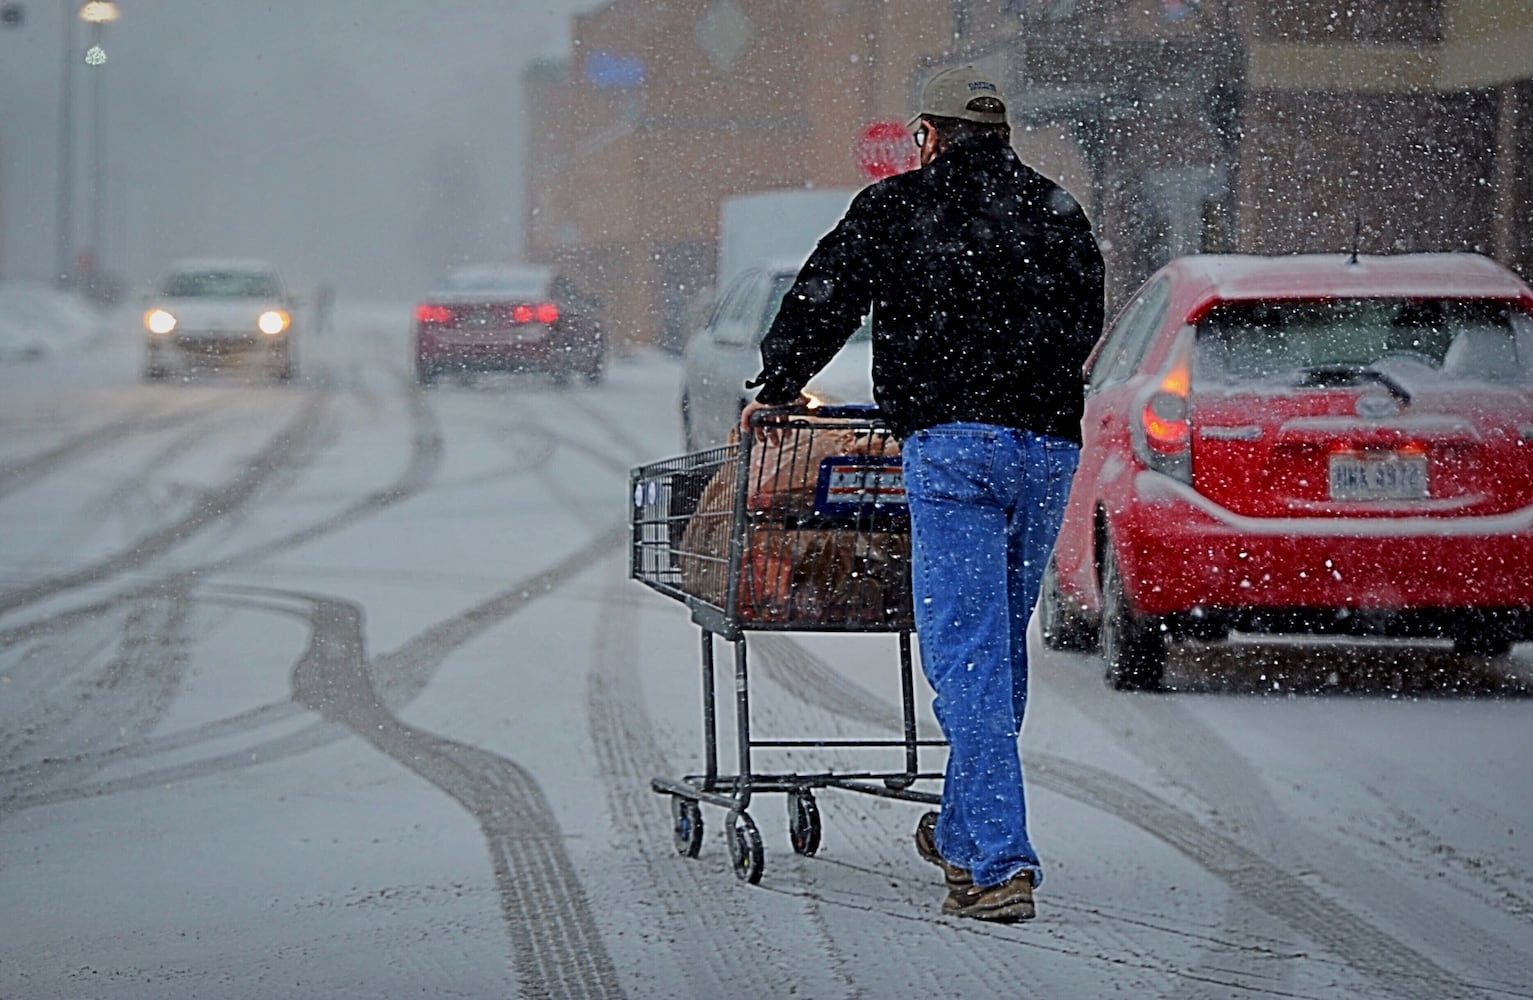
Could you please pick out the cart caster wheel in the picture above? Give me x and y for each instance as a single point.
(745, 850)
(686, 826)
(804, 824)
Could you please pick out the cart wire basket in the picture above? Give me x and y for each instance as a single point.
(808, 531)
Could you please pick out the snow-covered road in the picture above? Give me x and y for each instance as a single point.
(339, 689)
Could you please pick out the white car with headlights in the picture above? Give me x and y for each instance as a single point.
(219, 314)
(721, 356)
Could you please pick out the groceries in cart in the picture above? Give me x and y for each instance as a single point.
(821, 514)
(806, 531)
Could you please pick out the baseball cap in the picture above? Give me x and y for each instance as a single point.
(951, 93)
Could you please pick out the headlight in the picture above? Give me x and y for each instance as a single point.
(159, 321)
(273, 321)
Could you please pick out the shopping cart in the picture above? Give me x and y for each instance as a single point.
(807, 532)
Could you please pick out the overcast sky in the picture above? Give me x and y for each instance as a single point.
(364, 142)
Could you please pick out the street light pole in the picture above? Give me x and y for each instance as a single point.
(64, 222)
(97, 157)
(96, 13)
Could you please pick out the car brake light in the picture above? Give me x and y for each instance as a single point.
(438, 315)
(521, 314)
(1165, 421)
(547, 313)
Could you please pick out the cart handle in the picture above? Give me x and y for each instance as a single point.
(846, 411)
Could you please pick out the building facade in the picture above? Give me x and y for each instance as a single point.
(1183, 126)
(666, 107)
(1259, 127)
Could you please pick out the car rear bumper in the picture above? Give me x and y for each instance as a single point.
(1185, 556)
(490, 352)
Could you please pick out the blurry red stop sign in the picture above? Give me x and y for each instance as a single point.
(885, 149)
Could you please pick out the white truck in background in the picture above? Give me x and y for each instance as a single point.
(764, 239)
(775, 225)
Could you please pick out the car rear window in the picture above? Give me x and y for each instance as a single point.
(1453, 338)
(528, 283)
(221, 285)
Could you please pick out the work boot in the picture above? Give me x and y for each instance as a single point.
(1006, 903)
(926, 846)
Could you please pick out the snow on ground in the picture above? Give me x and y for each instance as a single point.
(340, 689)
(37, 320)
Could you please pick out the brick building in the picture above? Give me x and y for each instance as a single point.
(665, 107)
(1183, 126)
(1252, 126)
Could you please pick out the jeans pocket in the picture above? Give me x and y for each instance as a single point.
(1061, 458)
(950, 464)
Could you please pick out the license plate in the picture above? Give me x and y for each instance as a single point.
(1378, 477)
(481, 319)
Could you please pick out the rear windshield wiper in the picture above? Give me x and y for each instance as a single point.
(1349, 375)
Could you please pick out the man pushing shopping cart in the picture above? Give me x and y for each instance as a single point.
(985, 285)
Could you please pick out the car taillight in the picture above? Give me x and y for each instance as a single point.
(433, 315)
(1164, 430)
(545, 312)
(1166, 427)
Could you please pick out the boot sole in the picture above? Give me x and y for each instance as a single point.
(1005, 913)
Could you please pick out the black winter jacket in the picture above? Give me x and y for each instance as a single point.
(986, 289)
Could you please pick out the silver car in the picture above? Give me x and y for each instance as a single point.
(221, 314)
(726, 351)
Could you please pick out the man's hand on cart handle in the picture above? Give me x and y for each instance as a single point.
(765, 432)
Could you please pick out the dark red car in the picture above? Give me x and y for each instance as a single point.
(502, 318)
(1305, 444)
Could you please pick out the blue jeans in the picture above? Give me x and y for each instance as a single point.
(985, 507)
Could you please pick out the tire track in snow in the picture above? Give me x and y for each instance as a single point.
(1206, 766)
(707, 921)
(397, 676)
(19, 474)
(401, 674)
(1365, 948)
(215, 504)
(425, 458)
(1209, 770)
(122, 700)
(556, 949)
(973, 970)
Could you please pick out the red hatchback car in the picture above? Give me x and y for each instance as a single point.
(504, 318)
(1305, 444)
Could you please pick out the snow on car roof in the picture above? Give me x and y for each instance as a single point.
(497, 277)
(1447, 275)
(230, 264)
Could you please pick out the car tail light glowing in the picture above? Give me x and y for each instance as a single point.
(1166, 426)
(544, 312)
(1164, 433)
(433, 315)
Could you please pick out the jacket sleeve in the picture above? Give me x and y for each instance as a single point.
(824, 307)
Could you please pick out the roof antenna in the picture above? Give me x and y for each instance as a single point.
(1357, 236)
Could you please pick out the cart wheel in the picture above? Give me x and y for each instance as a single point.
(804, 824)
(745, 850)
(686, 826)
